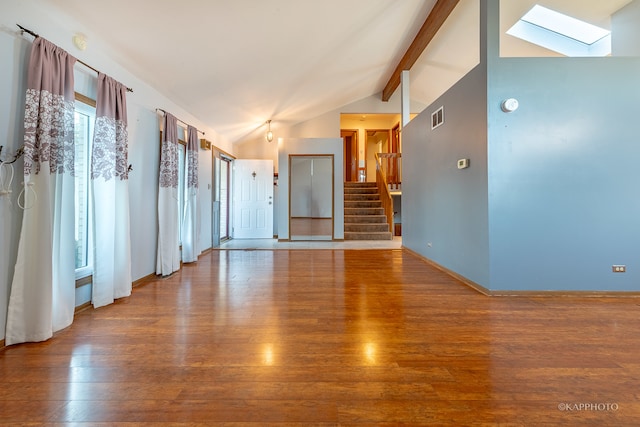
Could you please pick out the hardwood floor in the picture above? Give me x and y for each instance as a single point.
(327, 338)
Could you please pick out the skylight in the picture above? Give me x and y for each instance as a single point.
(561, 33)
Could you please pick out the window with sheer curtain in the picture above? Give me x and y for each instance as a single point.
(84, 119)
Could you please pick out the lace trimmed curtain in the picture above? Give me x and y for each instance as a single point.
(168, 257)
(110, 195)
(42, 299)
(190, 244)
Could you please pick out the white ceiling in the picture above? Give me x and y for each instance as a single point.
(234, 64)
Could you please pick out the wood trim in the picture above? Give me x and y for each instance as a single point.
(180, 141)
(355, 143)
(83, 281)
(82, 307)
(2, 345)
(396, 146)
(383, 191)
(85, 99)
(438, 15)
(333, 192)
(516, 293)
(567, 294)
(144, 280)
(218, 151)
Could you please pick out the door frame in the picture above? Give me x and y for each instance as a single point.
(218, 154)
(350, 154)
(366, 149)
(333, 199)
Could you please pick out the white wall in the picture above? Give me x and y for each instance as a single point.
(259, 148)
(324, 126)
(54, 25)
(327, 125)
(329, 146)
(625, 31)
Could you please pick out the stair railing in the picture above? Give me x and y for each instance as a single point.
(383, 190)
(391, 165)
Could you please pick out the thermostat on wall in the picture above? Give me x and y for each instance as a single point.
(463, 163)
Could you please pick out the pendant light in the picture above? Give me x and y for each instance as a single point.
(269, 133)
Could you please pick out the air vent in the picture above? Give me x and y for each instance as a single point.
(437, 118)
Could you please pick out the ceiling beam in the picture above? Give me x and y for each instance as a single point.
(438, 15)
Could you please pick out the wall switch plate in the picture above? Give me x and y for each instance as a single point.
(463, 163)
(619, 268)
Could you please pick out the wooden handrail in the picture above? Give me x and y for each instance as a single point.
(383, 191)
(391, 164)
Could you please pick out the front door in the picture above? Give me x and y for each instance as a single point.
(253, 199)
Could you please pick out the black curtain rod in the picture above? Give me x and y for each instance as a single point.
(25, 30)
(183, 122)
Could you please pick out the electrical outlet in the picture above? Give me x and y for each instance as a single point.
(619, 268)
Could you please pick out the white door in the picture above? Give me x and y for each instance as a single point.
(253, 199)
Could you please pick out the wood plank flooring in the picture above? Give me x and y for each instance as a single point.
(329, 338)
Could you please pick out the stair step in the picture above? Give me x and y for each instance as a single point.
(381, 235)
(361, 197)
(361, 190)
(362, 204)
(366, 219)
(360, 184)
(365, 228)
(363, 211)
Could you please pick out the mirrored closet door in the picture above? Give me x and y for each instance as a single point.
(311, 197)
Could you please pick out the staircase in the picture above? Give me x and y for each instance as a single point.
(364, 217)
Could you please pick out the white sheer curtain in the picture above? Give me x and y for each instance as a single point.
(168, 258)
(42, 298)
(190, 244)
(110, 195)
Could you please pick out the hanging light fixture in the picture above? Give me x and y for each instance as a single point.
(269, 133)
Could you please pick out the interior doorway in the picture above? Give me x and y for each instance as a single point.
(350, 138)
(395, 139)
(377, 141)
(311, 197)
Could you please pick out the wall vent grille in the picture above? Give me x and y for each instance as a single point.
(437, 118)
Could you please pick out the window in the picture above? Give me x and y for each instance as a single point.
(582, 29)
(85, 116)
(561, 33)
(181, 193)
(182, 189)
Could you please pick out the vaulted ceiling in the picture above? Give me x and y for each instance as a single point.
(234, 64)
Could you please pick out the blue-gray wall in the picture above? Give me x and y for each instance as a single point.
(443, 206)
(561, 183)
